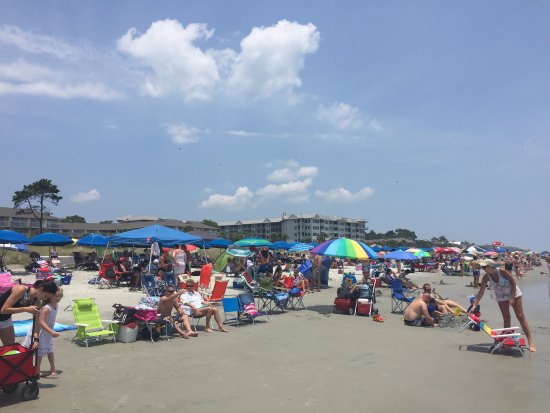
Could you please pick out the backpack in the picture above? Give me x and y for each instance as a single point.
(343, 292)
(123, 314)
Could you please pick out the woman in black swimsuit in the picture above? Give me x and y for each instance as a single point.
(21, 299)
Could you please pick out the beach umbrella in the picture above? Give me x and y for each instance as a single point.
(413, 250)
(12, 237)
(344, 248)
(219, 243)
(497, 243)
(281, 245)
(422, 254)
(491, 254)
(253, 242)
(376, 248)
(191, 248)
(400, 255)
(93, 240)
(145, 236)
(301, 246)
(50, 239)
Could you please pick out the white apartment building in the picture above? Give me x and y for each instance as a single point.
(298, 227)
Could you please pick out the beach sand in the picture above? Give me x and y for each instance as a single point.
(310, 360)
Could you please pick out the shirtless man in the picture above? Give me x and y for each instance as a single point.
(316, 263)
(166, 304)
(417, 315)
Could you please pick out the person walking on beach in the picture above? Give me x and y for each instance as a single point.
(21, 299)
(316, 271)
(44, 334)
(507, 294)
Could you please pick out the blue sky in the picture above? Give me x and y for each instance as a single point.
(427, 115)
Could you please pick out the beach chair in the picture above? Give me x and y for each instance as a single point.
(151, 286)
(399, 302)
(508, 337)
(89, 323)
(249, 283)
(248, 307)
(206, 274)
(218, 292)
(231, 305)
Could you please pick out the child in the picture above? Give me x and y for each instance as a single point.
(44, 333)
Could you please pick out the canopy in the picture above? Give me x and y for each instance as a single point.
(93, 240)
(400, 255)
(219, 243)
(50, 239)
(282, 245)
(344, 248)
(12, 237)
(144, 237)
(253, 242)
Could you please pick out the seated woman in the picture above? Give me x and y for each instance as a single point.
(301, 282)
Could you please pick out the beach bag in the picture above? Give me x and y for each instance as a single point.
(123, 314)
(295, 292)
(250, 309)
(146, 314)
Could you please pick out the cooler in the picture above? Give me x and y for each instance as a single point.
(363, 307)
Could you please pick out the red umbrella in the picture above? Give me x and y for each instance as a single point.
(190, 248)
(498, 243)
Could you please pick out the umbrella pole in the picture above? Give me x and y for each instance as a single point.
(150, 258)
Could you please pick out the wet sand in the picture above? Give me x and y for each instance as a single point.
(309, 360)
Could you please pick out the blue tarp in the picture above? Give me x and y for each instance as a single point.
(12, 237)
(50, 238)
(144, 237)
(22, 326)
(93, 240)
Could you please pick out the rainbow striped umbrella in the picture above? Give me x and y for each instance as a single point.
(345, 248)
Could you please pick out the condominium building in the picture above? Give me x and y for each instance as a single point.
(298, 227)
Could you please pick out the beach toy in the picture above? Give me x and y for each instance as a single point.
(11, 353)
(456, 311)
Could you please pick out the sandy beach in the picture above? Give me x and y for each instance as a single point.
(310, 360)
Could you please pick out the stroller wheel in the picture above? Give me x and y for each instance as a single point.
(10, 388)
(30, 391)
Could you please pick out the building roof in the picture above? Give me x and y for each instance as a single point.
(12, 212)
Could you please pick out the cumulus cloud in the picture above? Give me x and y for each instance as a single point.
(83, 197)
(344, 195)
(292, 172)
(168, 50)
(36, 42)
(340, 115)
(238, 200)
(271, 59)
(290, 190)
(182, 134)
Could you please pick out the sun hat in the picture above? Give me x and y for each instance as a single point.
(486, 262)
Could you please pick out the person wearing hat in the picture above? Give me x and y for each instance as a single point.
(507, 294)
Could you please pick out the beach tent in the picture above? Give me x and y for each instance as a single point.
(93, 240)
(50, 239)
(144, 237)
(219, 243)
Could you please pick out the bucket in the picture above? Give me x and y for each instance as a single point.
(66, 279)
(127, 333)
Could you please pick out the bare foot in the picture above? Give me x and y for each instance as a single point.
(193, 334)
(532, 349)
(224, 330)
(184, 335)
(208, 330)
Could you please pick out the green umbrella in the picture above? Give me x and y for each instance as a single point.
(421, 254)
(253, 242)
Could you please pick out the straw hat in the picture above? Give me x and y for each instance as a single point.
(486, 262)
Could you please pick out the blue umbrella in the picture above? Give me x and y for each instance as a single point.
(281, 245)
(376, 248)
(93, 240)
(12, 237)
(219, 243)
(50, 238)
(300, 246)
(400, 255)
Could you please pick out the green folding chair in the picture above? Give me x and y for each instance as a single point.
(90, 326)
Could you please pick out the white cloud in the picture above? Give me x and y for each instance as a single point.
(271, 59)
(293, 172)
(83, 197)
(287, 189)
(23, 71)
(247, 134)
(375, 124)
(36, 42)
(182, 134)
(340, 115)
(95, 91)
(343, 195)
(177, 65)
(239, 200)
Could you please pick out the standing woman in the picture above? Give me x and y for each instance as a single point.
(21, 299)
(507, 294)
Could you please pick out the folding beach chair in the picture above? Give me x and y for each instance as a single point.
(231, 306)
(248, 307)
(508, 337)
(399, 302)
(218, 292)
(89, 323)
(206, 274)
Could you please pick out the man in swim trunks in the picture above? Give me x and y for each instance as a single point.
(316, 262)
(507, 294)
(417, 315)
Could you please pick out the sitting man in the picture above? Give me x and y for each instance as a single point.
(193, 304)
(447, 304)
(166, 303)
(366, 280)
(417, 315)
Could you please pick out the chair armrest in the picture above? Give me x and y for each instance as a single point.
(496, 330)
(512, 335)
(110, 321)
(81, 325)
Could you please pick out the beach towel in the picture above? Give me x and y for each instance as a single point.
(22, 326)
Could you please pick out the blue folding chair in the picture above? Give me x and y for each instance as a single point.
(231, 305)
(399, 302)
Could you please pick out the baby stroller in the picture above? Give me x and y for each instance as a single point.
(17, 366)
(364, 302)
